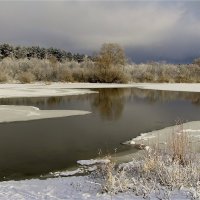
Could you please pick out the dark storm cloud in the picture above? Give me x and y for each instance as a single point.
(147, 30)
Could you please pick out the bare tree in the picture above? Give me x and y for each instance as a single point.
(197, 61)
(111, 54)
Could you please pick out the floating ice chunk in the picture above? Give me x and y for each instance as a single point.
(191, 130)
(93, 161)
(68, 173)
(129, 142)
(35, 108)
(132, 142)
(11, 113)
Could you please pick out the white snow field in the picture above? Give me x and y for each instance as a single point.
(81, 187)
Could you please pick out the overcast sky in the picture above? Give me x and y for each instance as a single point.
(147, 30)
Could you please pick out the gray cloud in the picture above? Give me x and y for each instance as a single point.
(147, 30)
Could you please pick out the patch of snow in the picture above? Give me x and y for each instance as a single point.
(92, 168)
(70, 188)
(129, 142)
(10, 113)
(81, 170)
(147, 148)
(39, 90)
(93, 162)
(68, 173)
(191, 130)
(182, 87)
(32, 114)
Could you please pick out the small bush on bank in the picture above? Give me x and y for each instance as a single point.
(3, 77)
(111, 75)
(65, 75)
(197, 62)
(26, 77)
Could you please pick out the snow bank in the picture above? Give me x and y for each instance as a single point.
(182, 87)
(68, 188)
(63, 89)
(38, 90)
(161, 136)
(26, 113)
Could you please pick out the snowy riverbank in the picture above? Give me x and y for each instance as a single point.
(69, 188)
(63, 89)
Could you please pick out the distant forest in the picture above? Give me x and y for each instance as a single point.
(18, 52)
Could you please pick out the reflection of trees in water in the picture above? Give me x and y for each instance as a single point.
(31, 101)
(43, 101)
(54, 100)
(109, 103)
(163, 96)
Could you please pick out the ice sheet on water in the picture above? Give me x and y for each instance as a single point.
(93, 162)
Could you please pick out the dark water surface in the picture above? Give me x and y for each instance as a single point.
(29, 149)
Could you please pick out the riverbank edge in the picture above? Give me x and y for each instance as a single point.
(9, 90)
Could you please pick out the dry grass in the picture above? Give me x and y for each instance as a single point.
(168, 169)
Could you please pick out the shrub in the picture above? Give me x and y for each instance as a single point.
(65, 75)
(111, 75)
(3, 77)
(197, 61)
(26, 77)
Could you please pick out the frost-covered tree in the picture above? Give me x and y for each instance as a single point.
(197, 61)
(111, 54)
(6, 50)
(20, 52)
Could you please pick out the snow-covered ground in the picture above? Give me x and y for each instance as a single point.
(81, 187)
(161, 136)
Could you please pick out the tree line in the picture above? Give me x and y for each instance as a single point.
(18, 52)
